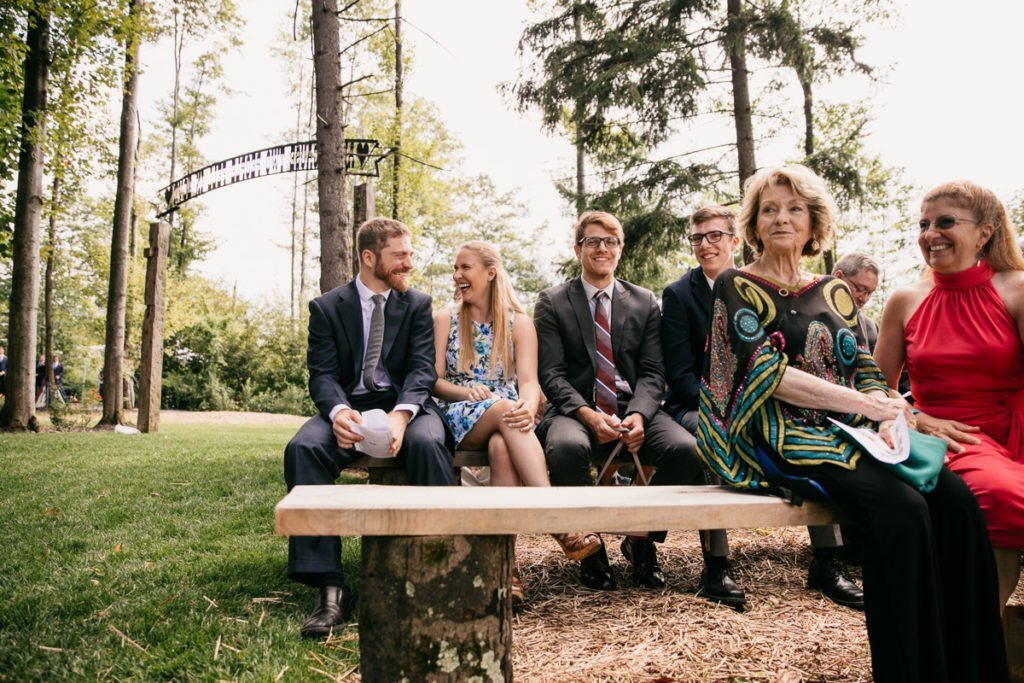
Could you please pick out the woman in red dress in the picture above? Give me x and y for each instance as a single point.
(959, 331)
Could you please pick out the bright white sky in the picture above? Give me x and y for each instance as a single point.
(949, 109)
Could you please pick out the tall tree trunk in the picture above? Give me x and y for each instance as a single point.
(807, 86)
(397, 158)
(581, 190)
(295, 204)
(737, 47)
(335, 251)
(18, 413)
(51, 257)
(178, 44)
(113, 353)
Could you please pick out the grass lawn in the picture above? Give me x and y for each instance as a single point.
(152, 557)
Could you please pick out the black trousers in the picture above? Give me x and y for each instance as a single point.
(569, 448)
(314, 457)
(930, 586)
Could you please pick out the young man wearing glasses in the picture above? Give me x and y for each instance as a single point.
(601, 367)
(686, 311)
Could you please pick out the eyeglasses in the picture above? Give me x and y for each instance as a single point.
(944, 223)
(713, 237)
(860, 290)
(595, 242)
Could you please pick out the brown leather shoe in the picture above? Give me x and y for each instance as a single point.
(333, 607)
(578, 546)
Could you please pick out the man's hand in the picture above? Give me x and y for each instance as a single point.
(604, 427)
(342, 427)
(399, 420)
(954, 433)
(633, 432)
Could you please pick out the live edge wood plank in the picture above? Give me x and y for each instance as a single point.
(351, 510)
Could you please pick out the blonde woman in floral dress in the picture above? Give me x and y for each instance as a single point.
(487, 385)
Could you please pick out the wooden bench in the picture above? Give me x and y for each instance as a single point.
(436, 561)
(392, 471)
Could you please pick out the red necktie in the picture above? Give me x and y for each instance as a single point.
(604, 387)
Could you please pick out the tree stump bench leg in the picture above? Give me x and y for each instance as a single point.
(436, 608)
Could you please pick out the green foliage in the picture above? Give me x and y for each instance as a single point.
(221, 354)
(165, 538)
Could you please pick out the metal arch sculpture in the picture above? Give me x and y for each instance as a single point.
(287, 158)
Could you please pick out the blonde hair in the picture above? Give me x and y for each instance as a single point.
(1001, 251)
(806, 185)
(503, 299)
(602, 218)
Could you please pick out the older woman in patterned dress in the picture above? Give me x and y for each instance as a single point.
(784, 354)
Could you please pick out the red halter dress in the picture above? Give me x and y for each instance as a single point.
(966, 363)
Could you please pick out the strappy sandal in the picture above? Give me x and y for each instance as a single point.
(578, 546)
(516, 590)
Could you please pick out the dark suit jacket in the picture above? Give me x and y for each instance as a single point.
(335, 352)
(567, 355)
(685, 320)
(870, 330)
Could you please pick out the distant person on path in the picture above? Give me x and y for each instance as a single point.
(602, 370)
(958, 330)
(3, 371)
(486, 361)
(784, 355)
(40, 377)
(686, 315)
(58, 378)
(371, 346)
(860, 272)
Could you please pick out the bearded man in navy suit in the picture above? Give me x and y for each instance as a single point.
(351, 371)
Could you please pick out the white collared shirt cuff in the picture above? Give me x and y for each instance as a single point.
(412, 408)
(336, 409)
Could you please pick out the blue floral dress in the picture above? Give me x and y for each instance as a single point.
(462, 415)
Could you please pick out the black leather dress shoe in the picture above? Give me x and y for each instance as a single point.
(830, 577)
(644, 558)
(718, 586)
(333, 607)
(596, 573)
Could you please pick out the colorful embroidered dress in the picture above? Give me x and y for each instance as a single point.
(758, 329)
(966, 363)
(462, 415)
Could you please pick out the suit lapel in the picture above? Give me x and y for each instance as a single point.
(394, 311)
(621, 301)
(701, 291)
(585, 319)
(351, 313)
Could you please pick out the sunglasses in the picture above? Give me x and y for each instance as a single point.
(713, 237)
(595, 242)
(944, 222)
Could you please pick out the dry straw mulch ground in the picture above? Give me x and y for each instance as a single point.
(787, 633)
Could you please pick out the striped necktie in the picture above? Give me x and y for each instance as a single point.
(604, 386)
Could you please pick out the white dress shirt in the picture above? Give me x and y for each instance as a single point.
(380, 375)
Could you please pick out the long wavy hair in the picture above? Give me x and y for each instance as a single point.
(1001, 250)
(503, 302)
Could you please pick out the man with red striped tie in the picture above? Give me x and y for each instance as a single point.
(600, 365)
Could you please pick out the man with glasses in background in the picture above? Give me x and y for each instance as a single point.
(860, 272)
(686, 314)
(601, 367)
